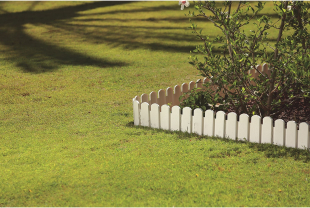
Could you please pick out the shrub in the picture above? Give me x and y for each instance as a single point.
(232, 86)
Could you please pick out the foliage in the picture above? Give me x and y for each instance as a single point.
(197, 99)
(233, 86)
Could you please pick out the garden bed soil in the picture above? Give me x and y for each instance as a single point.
(299, 112)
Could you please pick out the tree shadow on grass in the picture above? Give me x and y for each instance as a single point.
(37, 56)
(269, 150)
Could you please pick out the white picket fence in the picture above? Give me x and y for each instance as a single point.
(153, 111)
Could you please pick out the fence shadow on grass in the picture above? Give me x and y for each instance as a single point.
(269, 150)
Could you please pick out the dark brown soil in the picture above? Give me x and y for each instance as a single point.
(299, 112)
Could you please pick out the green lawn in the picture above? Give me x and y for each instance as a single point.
(69, 71)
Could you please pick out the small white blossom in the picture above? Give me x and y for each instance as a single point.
(246, 54)
(226, 13)
(182, 3)
(289, 8)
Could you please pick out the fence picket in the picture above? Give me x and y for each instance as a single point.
(266, 70)
(137, 98)
(177, 94)
(208, 123)
(169, 98)
(267, 129)
(279, 133)
(175, 118)
(191, 85)
(145, 115)
(205, 80)
(144, 98)
(291, 134)
(153, 98)
(199, 84)
(198, 121)
(219, 128)
(186, 120)
(231, 126)
(243, 127)
(161, 100)
(255, 129)
(184, 89)
(165, 117)
(303, 136)
(136, 112)
(154, 116)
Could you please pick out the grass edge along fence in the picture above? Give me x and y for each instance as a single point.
(160, 110)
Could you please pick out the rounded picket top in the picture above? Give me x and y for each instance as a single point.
(169, 98)
(232, 115)
(198, 110)
(199, 83)
(165, 117)
(165, 107)
(267, 119)
(291, 134)
(267, 130)
(205, 80)
(219, 128)
(153, 97)
(208, 124)
(244, 116)
(161, 97)
(259, 68)
(198, 121)
(145, 115)
(187, 110)
(231, 126)
(136, 98)
(144, 98)
(154, 105)
(191, 85)
(244, 127)
(176, 108)
(175, 119)
(177, 88)
(279, 132)
(256, 117)
(220, 114)
(255, 129)
(266, 69)
(154, 116)
(184, 87)
(136, 112)
(209, 111)
(252, 71)
(303, 136)
(145, 105)
(176, 95)
(161, 92)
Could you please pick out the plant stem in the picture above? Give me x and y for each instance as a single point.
(274, 72)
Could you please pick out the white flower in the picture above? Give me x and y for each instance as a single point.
(289, 8)
(226, 14)
(246, 54)
(182, 3)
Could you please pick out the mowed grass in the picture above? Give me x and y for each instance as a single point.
(69, 71)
